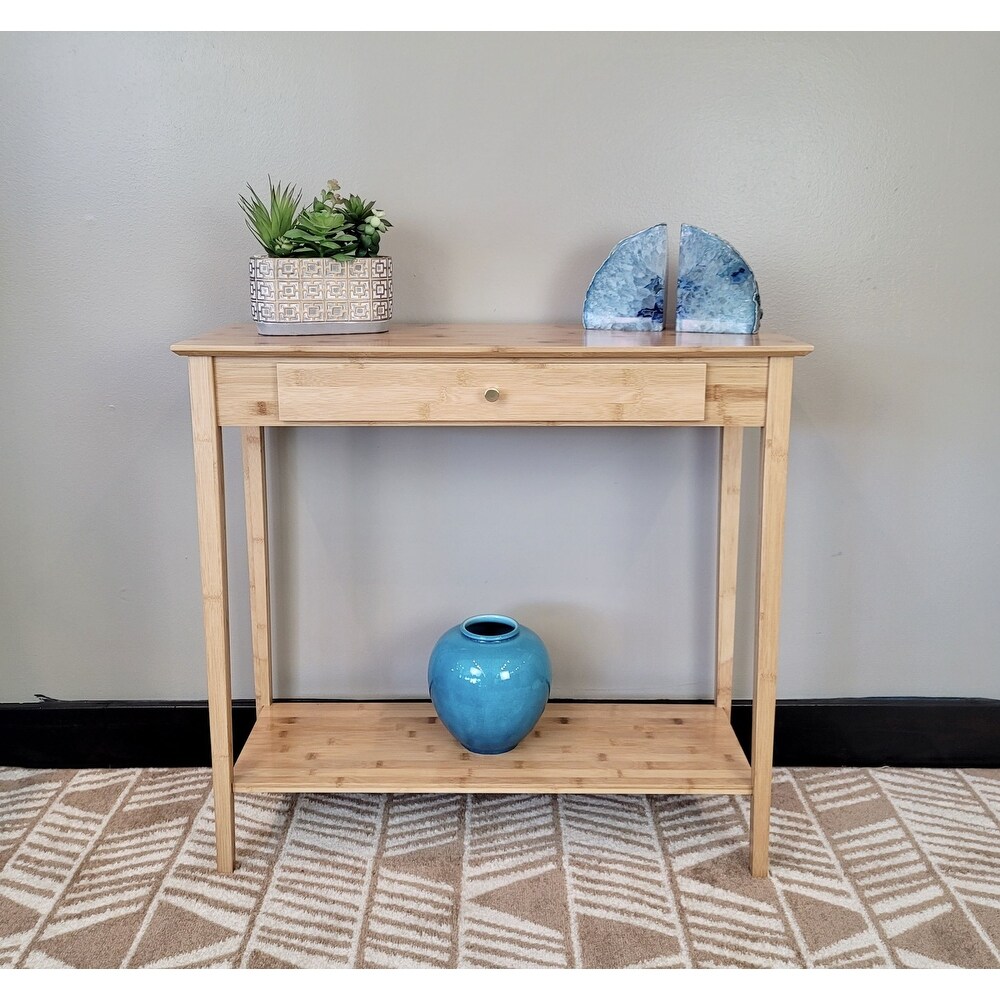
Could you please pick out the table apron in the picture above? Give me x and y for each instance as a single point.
(264, 391)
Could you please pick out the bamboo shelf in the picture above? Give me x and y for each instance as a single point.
(402, 747)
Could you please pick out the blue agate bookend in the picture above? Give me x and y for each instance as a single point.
(627, 291)
(716, 290)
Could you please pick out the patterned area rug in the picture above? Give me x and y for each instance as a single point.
(870, 868)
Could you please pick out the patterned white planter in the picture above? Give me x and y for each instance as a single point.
(292, 296)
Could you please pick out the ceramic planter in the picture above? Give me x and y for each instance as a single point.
(489, 680)
(293, 296)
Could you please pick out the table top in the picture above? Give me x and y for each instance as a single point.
(485, 340)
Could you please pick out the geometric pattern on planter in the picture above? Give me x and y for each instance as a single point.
(320, 290)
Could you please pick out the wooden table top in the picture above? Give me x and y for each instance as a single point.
(483, 340)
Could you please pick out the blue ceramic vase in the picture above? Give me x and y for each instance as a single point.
(489, 680)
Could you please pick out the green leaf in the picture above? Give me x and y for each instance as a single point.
(269, 223)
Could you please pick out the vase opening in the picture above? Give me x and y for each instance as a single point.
(490, 628)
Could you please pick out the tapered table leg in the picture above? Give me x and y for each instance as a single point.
(730, 474)
(255, 495)
(774, 466)
(215, 599)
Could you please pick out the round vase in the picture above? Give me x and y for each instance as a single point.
(489, 680)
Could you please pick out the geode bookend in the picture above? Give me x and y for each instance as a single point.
(627, 291)
(716, 290)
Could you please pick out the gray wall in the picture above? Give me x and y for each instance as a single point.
(857, 173)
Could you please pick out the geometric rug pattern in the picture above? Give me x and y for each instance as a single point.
(870, 868)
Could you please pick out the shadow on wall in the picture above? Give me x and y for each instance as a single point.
(572, 274)
(568, 631)
(423, 274)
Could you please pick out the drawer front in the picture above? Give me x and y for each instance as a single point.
(496, 392)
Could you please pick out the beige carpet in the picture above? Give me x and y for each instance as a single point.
(870, 868)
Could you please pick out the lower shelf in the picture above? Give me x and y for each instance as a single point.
(402, 747)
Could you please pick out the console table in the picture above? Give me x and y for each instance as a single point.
(490, 375)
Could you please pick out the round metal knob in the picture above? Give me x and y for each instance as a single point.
(491, 395)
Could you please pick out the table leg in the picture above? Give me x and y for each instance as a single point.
(774, 466)
(730, 472)
(215, 598)
(255, 495)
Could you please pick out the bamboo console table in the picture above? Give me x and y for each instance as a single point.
(490, 376)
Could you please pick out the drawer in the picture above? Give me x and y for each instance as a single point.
(493, 392)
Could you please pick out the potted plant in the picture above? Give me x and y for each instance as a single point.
(321, 271)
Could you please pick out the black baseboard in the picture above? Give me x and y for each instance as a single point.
(862, 732)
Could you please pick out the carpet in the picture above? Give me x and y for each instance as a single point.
(878, 867)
